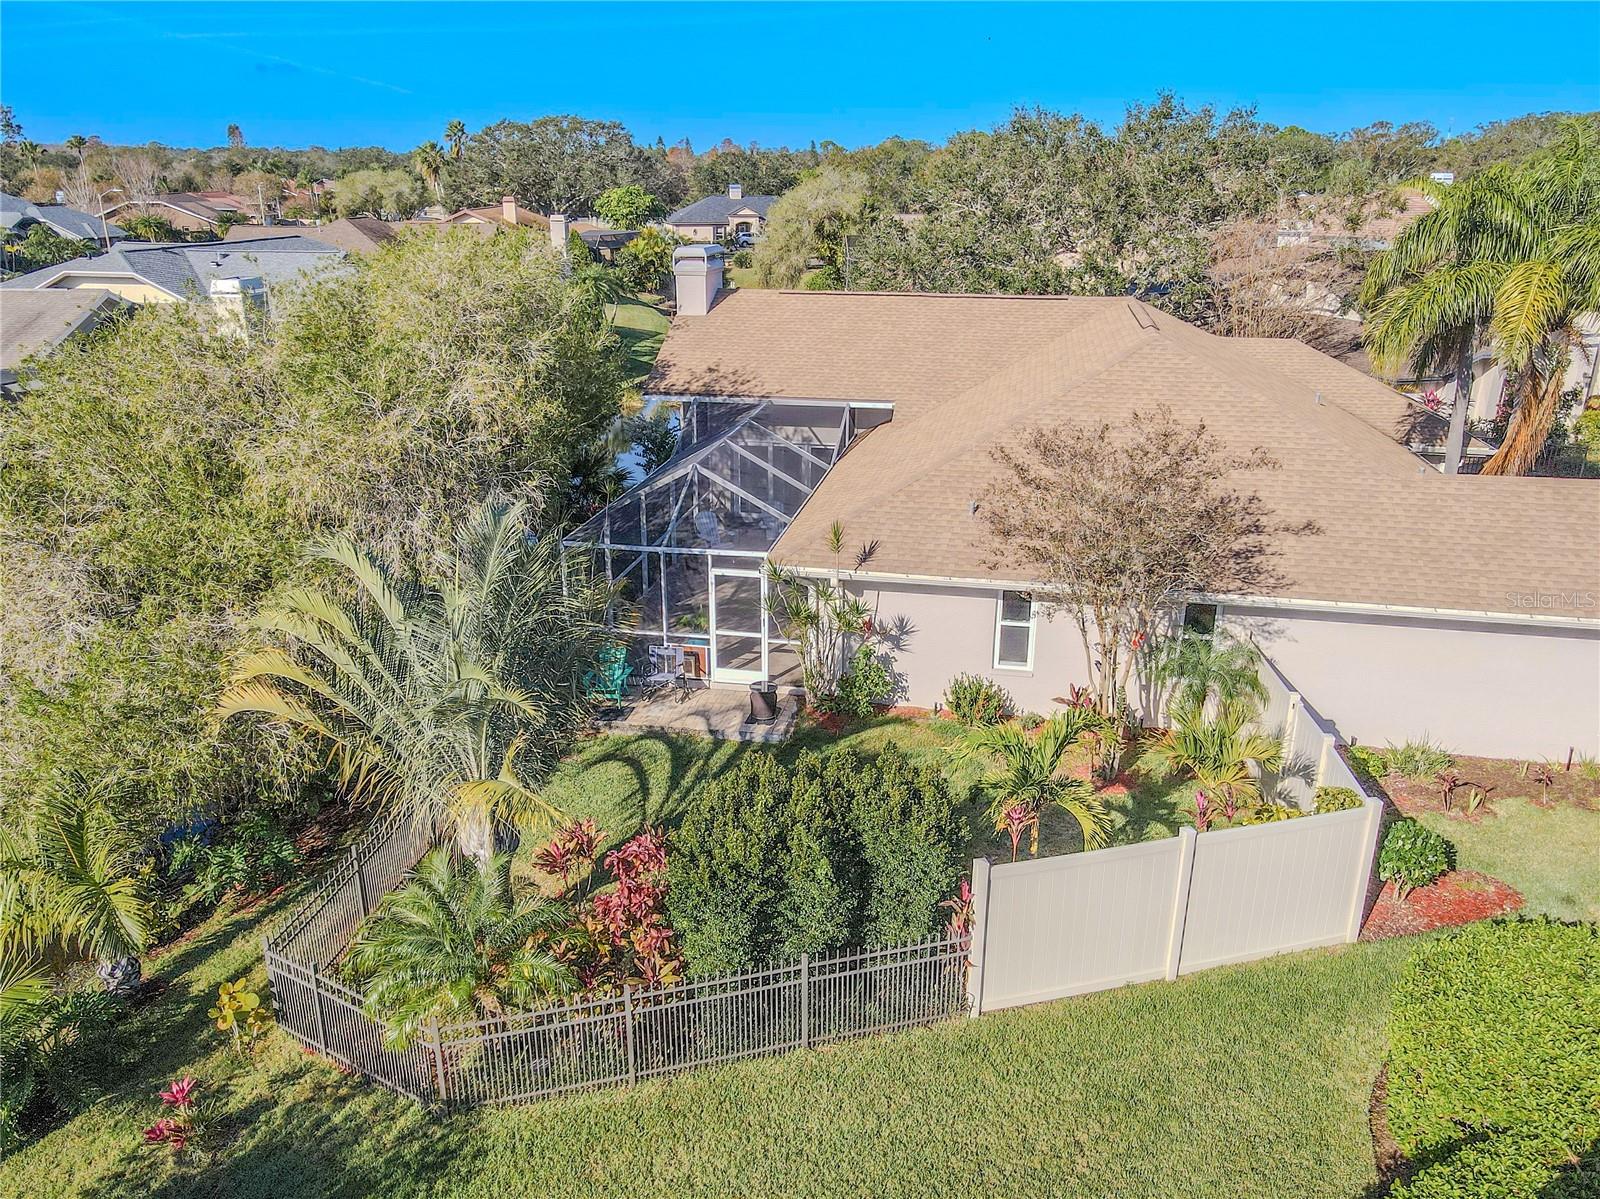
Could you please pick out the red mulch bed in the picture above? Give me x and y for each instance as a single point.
(1459, 897)
(1497, 778)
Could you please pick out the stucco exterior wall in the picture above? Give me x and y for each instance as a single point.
(129, 289)
(699, 233)
(1492, 690)
(938, 633)
(1488, 689)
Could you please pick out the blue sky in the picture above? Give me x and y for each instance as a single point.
(392, 74)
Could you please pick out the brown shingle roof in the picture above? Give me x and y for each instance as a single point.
(967, 373)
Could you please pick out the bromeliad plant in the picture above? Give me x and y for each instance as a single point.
(570, 854)
(185, 1126)
(1028, 774)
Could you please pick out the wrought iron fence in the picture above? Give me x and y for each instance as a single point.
(642, 1033)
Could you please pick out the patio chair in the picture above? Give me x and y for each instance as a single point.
(709, 527)
(608, 681)
(667, 669)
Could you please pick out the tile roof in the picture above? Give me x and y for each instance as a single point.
(968, 373)
(715, 210)
(185, 269)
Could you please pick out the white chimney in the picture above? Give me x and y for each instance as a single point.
(735, 191)
(508, 209)
(558, 231)
(237, 302)
(697, 277)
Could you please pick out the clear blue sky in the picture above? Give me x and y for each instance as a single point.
(392, 74)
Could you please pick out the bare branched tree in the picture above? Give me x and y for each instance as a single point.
(1117, 525)
(138, 173)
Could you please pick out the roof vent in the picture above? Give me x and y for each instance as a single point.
(972, 508)
(1319, 399)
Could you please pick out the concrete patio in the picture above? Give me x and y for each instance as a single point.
(704, 712)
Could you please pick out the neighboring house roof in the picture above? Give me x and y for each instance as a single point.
(354, 235)
(207, 206)
(967, 374)
(186, 269)
(496, 214)
(720, 209)
(17, 213)
(607, 239)
(35, 322)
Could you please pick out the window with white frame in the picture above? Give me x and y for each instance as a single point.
(1013, 631)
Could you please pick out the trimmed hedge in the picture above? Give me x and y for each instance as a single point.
(1494, 1063)
(1413, 855)
(1336, 799)
(771, 861)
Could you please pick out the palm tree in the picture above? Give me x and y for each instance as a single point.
(456, 943)
(1511, 253)
(1199, 669)
(428, 158)
(1030, 774)
(601, 286)
(69, 885)
(1220, 754)
(78, 144)
(455, 133)
(445, 700)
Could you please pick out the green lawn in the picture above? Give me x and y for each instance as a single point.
(641, 323)
(1551, 855)
(1243, 1081)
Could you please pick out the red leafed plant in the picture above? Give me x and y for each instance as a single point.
(960, 911)
(570, 852)
(1202, 812)
(1016, 820)
(622, 936)
(185, 1125)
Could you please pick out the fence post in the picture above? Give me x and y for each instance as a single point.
(1328, 750)
(1187, 840)
(361, 883)
(980, 925)
(1369, 852)
(437, 1046)
(316, 999)
(627, 1015)
(805, 1000)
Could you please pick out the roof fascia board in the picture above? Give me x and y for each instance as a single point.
(1245, 601)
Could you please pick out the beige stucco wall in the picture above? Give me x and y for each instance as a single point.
(131, 290)
(699, 233)
(1494, 690)
(942, 632)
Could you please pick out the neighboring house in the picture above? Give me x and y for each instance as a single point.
(1413, 604)
(507, 213)
(162, 273)
(718, 217)
(354, 235)
(17, 216)
(34, 323)
(193, 212)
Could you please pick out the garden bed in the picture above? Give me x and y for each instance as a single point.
(1459, 897)
(1496, 778)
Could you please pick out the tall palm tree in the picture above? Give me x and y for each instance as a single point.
(455, 135)
(1511, 254)
(78, 144)
(1199, 669)
(456, 943)
(1029, 774)
(69, 885)
(1221, 754)
(601, 286)
(428, 158)
(450, 699)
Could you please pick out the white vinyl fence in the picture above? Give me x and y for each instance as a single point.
(1061, 926)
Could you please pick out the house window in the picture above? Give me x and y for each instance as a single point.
(1013, 632)
(1200, 619)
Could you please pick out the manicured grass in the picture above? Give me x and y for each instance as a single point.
(742, 276)
(642, 325)
(1550, 854)
(1244, 1081)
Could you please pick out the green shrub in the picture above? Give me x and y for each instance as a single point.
(56, 1059)
(743, 259)
(1031, 720)
(772, 861)
(1413, 855)
(1418, 759)
(252, 856)
(1493, 1088)
(1336, 799)
(1370, 765)
(823, 279)
(975, 700)
(865, 682)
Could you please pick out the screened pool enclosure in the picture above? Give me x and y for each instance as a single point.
(686, 547)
